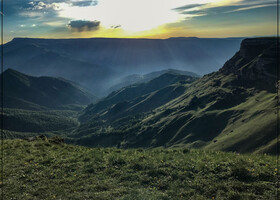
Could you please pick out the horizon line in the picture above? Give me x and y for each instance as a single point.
(194, 37)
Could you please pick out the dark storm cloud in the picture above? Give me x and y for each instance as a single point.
(83, 25)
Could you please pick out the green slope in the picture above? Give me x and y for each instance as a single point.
(40, 93)
(233, 109)
(36, 105)
(36, 122)
(49, 169)
(137, 78)
(129, 96)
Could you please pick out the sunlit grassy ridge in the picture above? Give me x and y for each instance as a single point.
(48, 169)
(208, 114)
(233, 109)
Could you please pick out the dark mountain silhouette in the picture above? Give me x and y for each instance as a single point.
(28, 92)
(98, 63)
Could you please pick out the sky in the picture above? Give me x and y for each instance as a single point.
(138, 18)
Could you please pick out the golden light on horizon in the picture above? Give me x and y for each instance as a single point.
(144, 19)
(132, 16)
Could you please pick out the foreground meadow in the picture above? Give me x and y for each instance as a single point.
(51, 169)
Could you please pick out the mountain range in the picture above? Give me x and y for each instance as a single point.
(98, 63)
(165, 130)
(233, 109)
(139, 78)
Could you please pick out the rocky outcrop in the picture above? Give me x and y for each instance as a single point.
(255, 61)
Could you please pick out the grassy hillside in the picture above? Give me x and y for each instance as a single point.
(129, 97)
(36, 122)
(234, 109)
(38, 93)
(137, 78)
(49, 169)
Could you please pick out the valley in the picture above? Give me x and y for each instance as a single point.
(218, 111)
(172, 108)
(169, 134)
(139, 100)
(98, 63)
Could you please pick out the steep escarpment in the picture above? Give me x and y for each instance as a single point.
(255, 62)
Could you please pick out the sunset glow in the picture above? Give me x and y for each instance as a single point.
(134, 18)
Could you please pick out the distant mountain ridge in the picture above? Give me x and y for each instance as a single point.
(96, 63)
(137, 78)
(28, 92)
(139, 97)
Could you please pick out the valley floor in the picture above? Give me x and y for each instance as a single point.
(50, 169)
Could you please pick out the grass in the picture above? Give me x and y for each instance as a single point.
(18, 120)
(48, 169)
(215, 112)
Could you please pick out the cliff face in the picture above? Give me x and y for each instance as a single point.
(251, 48)
(255, 61)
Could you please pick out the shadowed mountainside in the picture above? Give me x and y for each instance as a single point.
(41, 93)
(34, 105)
(97, 63)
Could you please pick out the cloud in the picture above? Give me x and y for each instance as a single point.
(55, 23)
(59, 4)
(84, 3)
(186, 7)
(31, 14)
(132, 15)
(83, 25)
(252, 7)
(135, 17)
(117, 26)
(44, 6)
(39, 5)
(226, 6)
